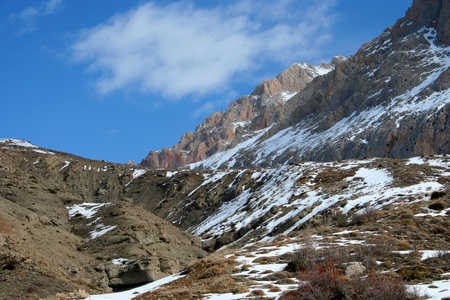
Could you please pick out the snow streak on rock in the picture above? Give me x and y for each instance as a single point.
(280, 200)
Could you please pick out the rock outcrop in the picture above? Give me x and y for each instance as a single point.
(432, 13)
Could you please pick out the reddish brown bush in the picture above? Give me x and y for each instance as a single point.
(322, 282)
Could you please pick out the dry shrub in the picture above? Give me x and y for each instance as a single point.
(438, 229)
(406, 222)
(436, 206)
(221, 282)
(290, 295)
(379, 287)
(332, 176)
(9, 262)
(239, 290)
(340, 219)
(436, 195)
(277, 276)
(195, 266)
(326, 232)
(402, 245)
(325, 282)
(368, 215)
(275, 289)
(304, 258)
(265, 260)
(321, 273)
(213, 271)
(416, 274)
(272, 288)
(256, 293)
(285, 281)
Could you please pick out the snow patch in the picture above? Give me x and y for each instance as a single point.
(66, 164)
(136, 174)
(15, 142)
(87, 210)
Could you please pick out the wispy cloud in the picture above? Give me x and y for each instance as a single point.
(179, 49)
(29, 16)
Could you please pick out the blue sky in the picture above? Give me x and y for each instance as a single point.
(111, 80)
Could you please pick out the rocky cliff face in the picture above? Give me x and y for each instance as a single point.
(432, 13)
(391, 99)
(243, 119)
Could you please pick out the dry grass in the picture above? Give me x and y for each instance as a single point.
(376, 235)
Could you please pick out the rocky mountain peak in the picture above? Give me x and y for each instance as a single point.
(243, 119)
(292, 80)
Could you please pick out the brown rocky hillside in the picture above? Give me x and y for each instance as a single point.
(72, 225)
(64, 227)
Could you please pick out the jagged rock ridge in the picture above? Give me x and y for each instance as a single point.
(243, 119)
(391, 99)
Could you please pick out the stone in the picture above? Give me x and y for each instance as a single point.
(140, 272)
(427, 210)
(355, 270)
(99, 268)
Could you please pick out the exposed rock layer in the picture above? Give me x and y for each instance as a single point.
(225, 129)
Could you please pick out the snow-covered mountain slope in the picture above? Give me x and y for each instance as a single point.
(266, 203)
(392, 99)
(261, 270)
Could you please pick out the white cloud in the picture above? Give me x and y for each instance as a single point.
(180, 49)
(30, 14)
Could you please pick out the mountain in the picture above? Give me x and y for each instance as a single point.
(64, 227)
(390, 99)
(70, 226)
(244, 119)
